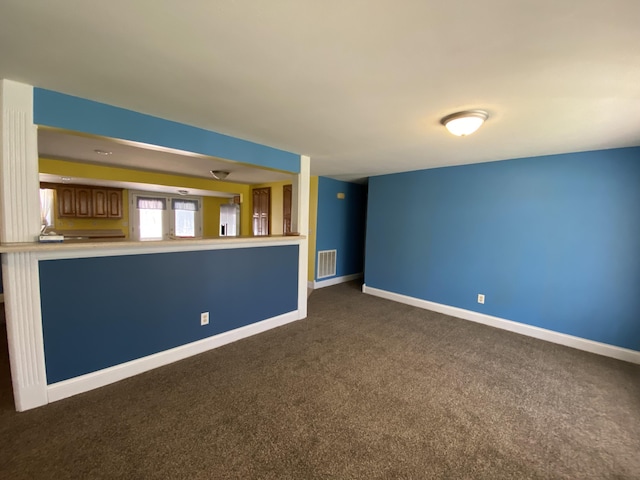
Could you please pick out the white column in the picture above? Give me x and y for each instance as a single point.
(300, 223)
(20, 222)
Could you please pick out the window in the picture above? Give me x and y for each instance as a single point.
(151, 216)
(184, 217)
(160, 217)
(46, 207)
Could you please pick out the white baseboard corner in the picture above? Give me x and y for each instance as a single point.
(310, 284)
(336, 280)
(599, 348)
(84, 383)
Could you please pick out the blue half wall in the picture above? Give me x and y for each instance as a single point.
(58, 110)
(341, 224)
(551, 241)
(100, 312)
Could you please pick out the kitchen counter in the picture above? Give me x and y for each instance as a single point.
(104, 233)
(127, 246)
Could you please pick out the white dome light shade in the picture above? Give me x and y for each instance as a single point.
(464, 123)
(219, 174)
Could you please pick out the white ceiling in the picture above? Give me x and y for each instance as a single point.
(359, 85)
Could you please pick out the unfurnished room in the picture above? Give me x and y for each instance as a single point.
(320, 240)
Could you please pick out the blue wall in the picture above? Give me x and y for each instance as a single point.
(341, 224)
(551, 241)
(58, 110)
(99, 312)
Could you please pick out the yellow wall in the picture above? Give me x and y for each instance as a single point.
(211, 218)
(276, 217)
(313, 220)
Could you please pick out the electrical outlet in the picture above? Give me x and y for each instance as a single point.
(204, 318)
(480, 298)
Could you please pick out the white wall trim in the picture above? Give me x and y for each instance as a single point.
(20, 222)
(58, 251)
(90, 381)
(300, 190)
(335, 280)
(599, 348)
(310, 284)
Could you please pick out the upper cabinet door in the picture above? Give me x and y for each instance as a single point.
(83, 202)
(99, 200)
(66, 201)
(114, 203)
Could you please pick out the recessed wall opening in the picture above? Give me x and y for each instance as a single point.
(88, 195)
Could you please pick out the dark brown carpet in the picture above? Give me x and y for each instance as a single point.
(364, 388)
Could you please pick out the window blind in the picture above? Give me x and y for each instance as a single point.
(181, 204)
(151, 203)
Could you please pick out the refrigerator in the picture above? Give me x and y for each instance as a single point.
(229, 220)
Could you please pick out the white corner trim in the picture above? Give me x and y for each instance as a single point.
(300, 223)
(24, 330)
(599, 348)
(336, 280)
(84, 383)
(310, 284)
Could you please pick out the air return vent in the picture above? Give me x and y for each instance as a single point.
(326, 263)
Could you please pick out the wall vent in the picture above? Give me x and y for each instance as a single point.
(326, 263)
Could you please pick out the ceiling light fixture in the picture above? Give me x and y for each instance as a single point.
(219, 174)
(465, 123)
(103, 152)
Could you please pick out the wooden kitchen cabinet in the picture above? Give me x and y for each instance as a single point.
(66, 201)
(100, 202)
(83, 202)
(79, 201)
(114, 203)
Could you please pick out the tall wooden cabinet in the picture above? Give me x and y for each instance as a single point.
(286, 208)
(261, 211)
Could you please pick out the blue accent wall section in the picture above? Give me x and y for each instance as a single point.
(551, 241)
(100, 312)
(341, 224)
(59, 110)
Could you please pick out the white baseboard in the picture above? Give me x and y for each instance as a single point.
(335, 280)
(599, 348)
(310, 284)
(84, 383)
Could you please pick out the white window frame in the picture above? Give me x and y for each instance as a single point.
(168, 218)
